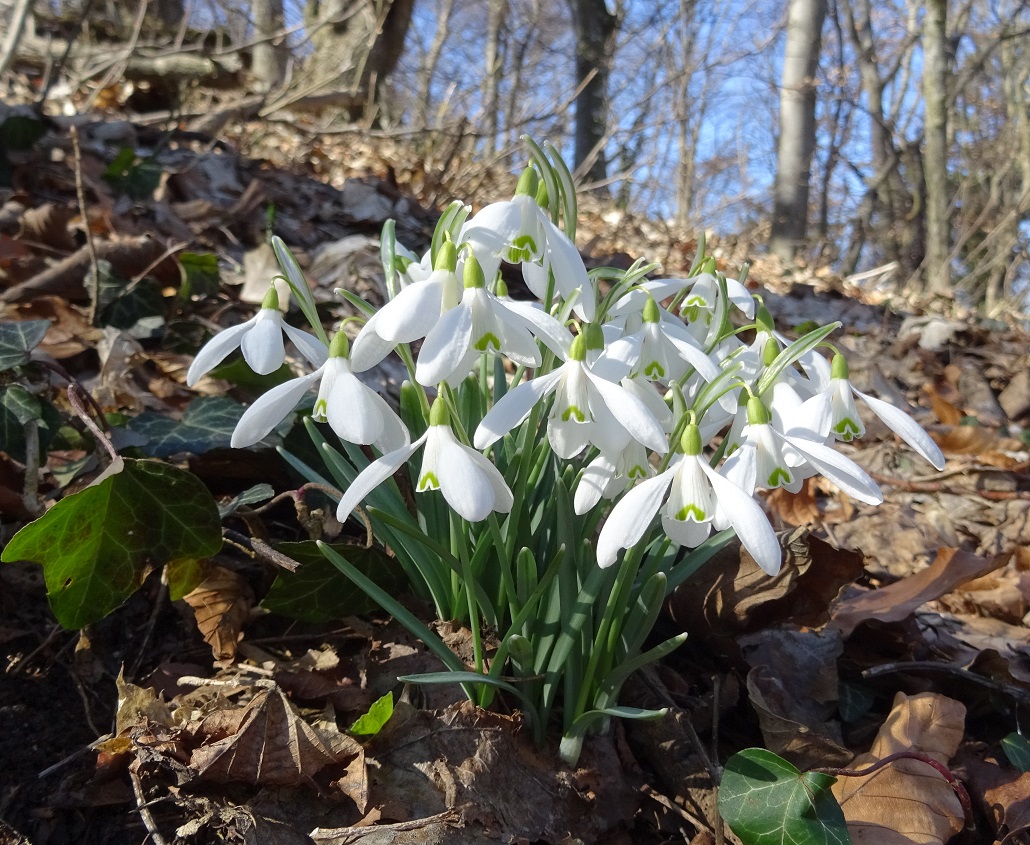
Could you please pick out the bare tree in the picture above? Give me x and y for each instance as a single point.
(937, 271)
(595, 28)
(492, 77)
(796, 142)
(424, 97)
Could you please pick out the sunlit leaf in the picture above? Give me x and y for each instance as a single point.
(96, 546)
(17, 340)
(376, 718)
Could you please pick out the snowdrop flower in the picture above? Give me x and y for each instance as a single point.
(606, 477)
(520, 232)
(353, 409)
(846, 424)
(661, 350)
(785, 451)
(693, 499)
(471, 484)
(261, 339)
(587, 410)
(480, 323)
(411, 314)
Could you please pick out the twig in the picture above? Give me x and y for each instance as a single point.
(944, 771)
(75, 394)
(80, 193)
(15, 668)
(144, 810)
(937, 487)
(155, 611)
(958, 672)
(261, 550)
(30, 487)
(60, 764)
(22, 9)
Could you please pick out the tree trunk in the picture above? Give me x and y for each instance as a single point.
(19, 14)
(492, 78)
(424, 97)
(595, 29)
(796, 143)
(357, 42)
(270, 52)
(935, 158)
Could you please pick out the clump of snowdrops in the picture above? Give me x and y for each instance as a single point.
(574, 459)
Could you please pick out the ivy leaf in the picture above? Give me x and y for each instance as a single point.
(18, 407)
(17, 340)
(319, 592)
(200, 275)
(767, 801)
(96, 546)
(206, 424)
(1017, 750)
(138, 177)
(376, 718)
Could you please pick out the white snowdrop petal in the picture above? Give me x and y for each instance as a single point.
(503, 498)
(413, 312)
(570, 274)
(842, 471)
(548, 330)
(741, 297)
(372, 476)
(369, 348)
(316, 352)
(262, 346)
(463, 484)
(708, 369)
(631, 517)
(351, 410)
(595, 479)
(514, 407)
(215, 350)
(270, 409)
(748, 520)
(631, 413)
(906, 428)
(686, 532)
(394, 434)
(445, 346)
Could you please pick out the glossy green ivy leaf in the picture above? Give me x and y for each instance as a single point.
(206, 424)
(767, 801)
(1017, 750)
(319, 592)
(376, 718)
(200, 274)
(18, 407)
(96, 546)
(133, 175)
(17, 340)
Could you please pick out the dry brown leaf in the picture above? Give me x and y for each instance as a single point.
(985, 443)
(47, 224)
(270, 745)
(896, 601)
(70, 332)
(221, 604)
(944, 400)
(795, 508)
(907, 802)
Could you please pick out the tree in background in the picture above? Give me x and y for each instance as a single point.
(595, 28)
(797, 137)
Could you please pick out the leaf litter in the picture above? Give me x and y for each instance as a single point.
(894, 629)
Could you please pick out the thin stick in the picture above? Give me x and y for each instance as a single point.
(144, 810)
(30, 487)
(60, 764)
(75, 393)
(80, 193)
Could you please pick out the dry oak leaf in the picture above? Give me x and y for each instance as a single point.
(907, 802)
(272, 745)
(221, 604)
(897, 601)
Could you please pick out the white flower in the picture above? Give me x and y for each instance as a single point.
(696, 498)
(480, 323)
(261, 340)
(847, 425)
(411, 314)
(783, 450)
(470, 483)
(661, 350)
(519, 231)
(608, 477)
(587, 410)
(353, 410)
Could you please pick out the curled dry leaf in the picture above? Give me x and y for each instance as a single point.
(896, 601)
(907, 802)
(221, 604)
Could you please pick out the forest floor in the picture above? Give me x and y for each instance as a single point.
(899, 628)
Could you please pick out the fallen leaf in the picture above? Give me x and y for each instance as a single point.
(896, 601)
(795, 508)
(907, 802)
(270, 745)
(221, 604)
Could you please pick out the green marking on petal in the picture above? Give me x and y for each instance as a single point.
(573, 411)
(848, 429)
(637, 471)
(318, 413)
(689, 511)
(779, 476)
(486, 341)
(654, 370)
(523, 248)
(428, 481)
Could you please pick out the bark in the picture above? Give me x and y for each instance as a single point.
(595, 29)
(796, 143)
(935, 163)
(423, 104)
(357, 42)
(492, 78)
(270, 52)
